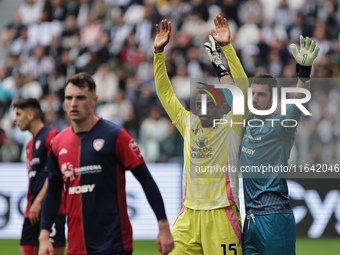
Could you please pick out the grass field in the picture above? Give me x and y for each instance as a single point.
(304, 246)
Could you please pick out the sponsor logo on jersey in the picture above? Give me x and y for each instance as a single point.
(81, 189)
(37, 144)
(35, 161)
(201, 142)
(248, 151)
(133, 145)
(63, 151)
(67, 171)
(98, 144)
(32, 174)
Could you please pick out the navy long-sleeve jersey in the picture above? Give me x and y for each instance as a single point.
(37, 151)
(92, 166)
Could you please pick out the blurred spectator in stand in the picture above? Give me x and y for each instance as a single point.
(119, 32)
(52, 111)
(330, 61)
(65, 65)
(299, 27)
(107, 84)
(21, 46)
(92, 63)
(54, 50)
(274, 63)
(194, 26)
(39, 66)
(30, 11)
(56, 82)
(75, 58)
(181, 84)
(92, 31)
(42, 32)
(144, 70)
(131, 124)
(70, 31)
(200, 8)
(118, 111)
(9, 151)
(10, 33)
(320, 36)
(230, 11)
(129, 55)
(153, 131)
(103, 53)
(194, 65)
(56, 9)
(144, 103)
(283, 14)
(176, 11)
(251, 12)
(20, 87)
(146, 25)
(82, 11)
(101, 11)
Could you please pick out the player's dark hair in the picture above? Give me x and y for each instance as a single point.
(82, 80)
(265, 79)
(25, 103)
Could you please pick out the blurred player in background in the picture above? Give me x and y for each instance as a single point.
(209, 222)
(269, 226)
(27, 117)
(90, 158)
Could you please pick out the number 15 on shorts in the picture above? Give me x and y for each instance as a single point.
(230, 247)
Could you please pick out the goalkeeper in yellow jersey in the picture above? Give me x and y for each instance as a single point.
(209, 222)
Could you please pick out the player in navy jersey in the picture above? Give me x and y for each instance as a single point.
(27, 117)
(90, 158)
(270, 225)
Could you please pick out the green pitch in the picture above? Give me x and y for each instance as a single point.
(304, 246)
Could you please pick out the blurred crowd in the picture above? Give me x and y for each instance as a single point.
(48, 41)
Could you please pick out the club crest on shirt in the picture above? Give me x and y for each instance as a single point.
(98, 144)
(37, 144)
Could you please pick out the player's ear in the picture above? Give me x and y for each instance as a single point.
(224, 105)
(95, 100)
(30, 115)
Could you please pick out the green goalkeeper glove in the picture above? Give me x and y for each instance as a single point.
(213, 49)
(304, 58)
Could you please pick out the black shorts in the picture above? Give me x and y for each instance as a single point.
(30, 233)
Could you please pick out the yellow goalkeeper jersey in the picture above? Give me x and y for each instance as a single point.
(208, 152)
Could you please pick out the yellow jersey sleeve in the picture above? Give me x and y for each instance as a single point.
(166, 95)
(241, 81)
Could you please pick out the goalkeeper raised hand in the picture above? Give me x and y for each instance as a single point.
(305, 57)
(213, 49)
(220, 37)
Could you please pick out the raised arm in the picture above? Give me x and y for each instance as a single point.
(304, 59)
(222, 36)
(165, 93)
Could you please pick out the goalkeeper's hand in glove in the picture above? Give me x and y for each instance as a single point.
(213, 49)
(305, 57)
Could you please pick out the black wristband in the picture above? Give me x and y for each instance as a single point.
(221, 70)
(304, 72)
